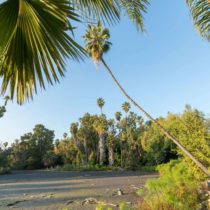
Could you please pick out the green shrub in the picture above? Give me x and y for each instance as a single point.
(176, 189)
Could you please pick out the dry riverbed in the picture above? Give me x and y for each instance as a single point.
(48, 190)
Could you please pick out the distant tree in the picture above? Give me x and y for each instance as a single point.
(101, 127)
(126, 107)
(111, 140)
(28, 152)
(49, 159)
(118, 116)
(100, 103)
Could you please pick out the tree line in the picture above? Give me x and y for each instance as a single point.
(124, 141)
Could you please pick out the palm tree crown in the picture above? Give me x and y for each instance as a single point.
(126, 107)
(96, 39)
(100, 103)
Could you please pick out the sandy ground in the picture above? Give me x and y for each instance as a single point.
(48, 190)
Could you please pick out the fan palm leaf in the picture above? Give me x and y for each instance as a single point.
(35, 44)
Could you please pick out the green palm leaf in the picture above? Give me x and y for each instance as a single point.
(34, 44)
(93, 10)
(135, 10)
(200, 10)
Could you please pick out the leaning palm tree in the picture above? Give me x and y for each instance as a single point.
(96, 40)
(100, 103)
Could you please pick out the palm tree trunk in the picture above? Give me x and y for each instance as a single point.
(176, 141)
(102, 149)
(111, 155)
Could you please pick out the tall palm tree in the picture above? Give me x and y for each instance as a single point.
(35, 39)
(100, 103)
(126, 107)
(96, 40)
(101, 127)
(111, 140)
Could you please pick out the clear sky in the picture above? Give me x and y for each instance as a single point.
(163, 70)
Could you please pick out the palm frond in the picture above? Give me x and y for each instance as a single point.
(34, 44)
(93, 10)
(135, 10)
(200, 11)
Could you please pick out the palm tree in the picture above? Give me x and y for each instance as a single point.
(101, 127)
(100, 103)
(111, 140)
(126, 107)
(96, 40)
(35, 38)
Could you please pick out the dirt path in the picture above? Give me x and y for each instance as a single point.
(47, 190)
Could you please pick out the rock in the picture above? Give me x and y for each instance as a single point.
(90, 201)
(69, 202)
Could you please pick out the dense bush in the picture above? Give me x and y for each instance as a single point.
(177, 188)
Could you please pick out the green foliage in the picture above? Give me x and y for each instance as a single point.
(158, 148)
(200, 10)
(32, 149)
(176, 189)
(4, 159)
(126, 142)
(39, 51)
(97, 41)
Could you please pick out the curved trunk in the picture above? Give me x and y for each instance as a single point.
(176, 141)
(102, 149)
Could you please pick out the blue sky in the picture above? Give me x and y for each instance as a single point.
(163, 70)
